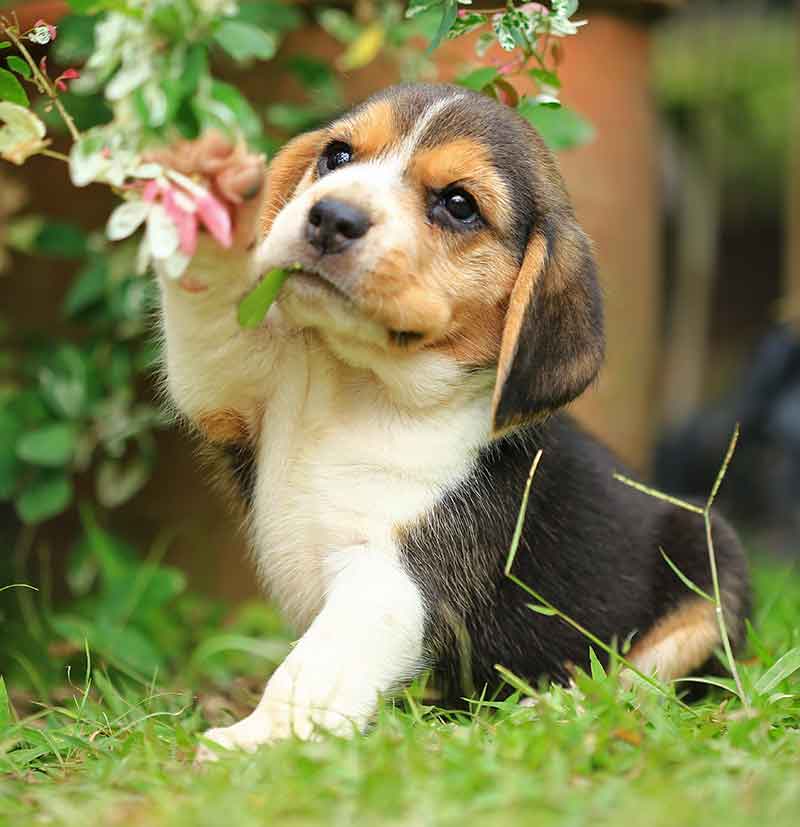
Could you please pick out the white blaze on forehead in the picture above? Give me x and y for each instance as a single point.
(408, 144)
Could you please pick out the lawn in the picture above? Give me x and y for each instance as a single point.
(105, 747)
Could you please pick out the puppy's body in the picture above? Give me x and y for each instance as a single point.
(384, 418)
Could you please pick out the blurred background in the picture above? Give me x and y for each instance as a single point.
(690, 188)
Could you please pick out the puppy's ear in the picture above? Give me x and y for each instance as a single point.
(552, 344)
(286, 171)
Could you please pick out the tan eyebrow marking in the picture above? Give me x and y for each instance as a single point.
(468, 163)
(372, 131)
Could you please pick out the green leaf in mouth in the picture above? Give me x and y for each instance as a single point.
(254, 306)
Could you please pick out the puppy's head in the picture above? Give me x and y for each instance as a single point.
(431, 218)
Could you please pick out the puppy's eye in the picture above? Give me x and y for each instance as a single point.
(336, 155)
(460, 204)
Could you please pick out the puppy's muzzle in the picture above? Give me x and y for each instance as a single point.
(334, 225)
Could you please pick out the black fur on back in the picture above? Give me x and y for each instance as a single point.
(590, 545)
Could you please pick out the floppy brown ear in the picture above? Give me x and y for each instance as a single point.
(285, 172)
(552, 345)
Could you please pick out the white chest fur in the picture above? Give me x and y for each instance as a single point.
(341, 465)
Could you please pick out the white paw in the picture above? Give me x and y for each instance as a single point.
(248, 735)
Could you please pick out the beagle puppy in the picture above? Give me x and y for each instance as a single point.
(382, 420)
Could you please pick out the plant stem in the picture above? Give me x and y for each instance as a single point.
(712, 561)
(51, 153)
(43, 83)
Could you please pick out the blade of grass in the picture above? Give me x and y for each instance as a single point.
(512, 552)
(546, 607)
(690, 584)
(659, 495)
(785, 666)
(712, 561)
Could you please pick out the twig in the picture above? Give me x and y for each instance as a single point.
(43, 82)
(51, 153)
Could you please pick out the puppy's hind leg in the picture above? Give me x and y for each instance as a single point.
(683, 640)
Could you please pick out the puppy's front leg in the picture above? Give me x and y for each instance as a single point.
(366, 641)
(218, 373)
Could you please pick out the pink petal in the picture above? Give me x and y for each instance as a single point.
(151, 190)
(67, 74)
(216, 218)
(43, 65)
(186, 223)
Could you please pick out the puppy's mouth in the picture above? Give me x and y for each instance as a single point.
(313, 280)
(315, 283)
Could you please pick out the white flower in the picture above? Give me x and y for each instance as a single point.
(41, 35)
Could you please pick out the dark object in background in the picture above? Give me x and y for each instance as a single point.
(761, 494)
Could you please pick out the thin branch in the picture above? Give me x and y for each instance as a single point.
(51, 153)
(43, 82)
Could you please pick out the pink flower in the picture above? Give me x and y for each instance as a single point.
(43, 65)
(68, 74)
(187, 206)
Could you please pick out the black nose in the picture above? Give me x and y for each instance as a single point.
(334, 225)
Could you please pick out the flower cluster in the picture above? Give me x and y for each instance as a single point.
(172, 207)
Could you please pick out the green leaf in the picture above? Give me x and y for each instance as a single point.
(272, 14)
(466, 24)
(244, 42)
(52, 446)
(65, 381)
(116, 482)
(449, 16)
(10, 469)
(11, 89)
(727, 684)
(60, 239)
(339, 24)
(241, 116)
(598, 670)
(545, 77)
(479, 78)
(785, 666)
(547, 611)
(5, 44)
(5, 707)
(87, 288)
(43, 498)
(254, 306)
(560, 128)
(75, 42)
(19, 66)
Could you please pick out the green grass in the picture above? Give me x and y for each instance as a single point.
(108, 749)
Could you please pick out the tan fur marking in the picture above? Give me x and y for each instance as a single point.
(532, 266)
(286, 171)
(468, 163)
(223, 426)
(679, 643)
(373, 130)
